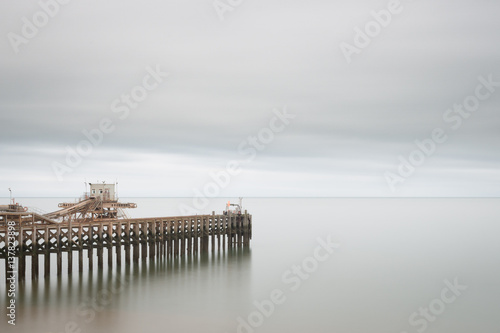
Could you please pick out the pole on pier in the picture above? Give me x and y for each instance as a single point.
(80, 248)
(59, 254)
(136, 242)
(229, 230)
(34, 254)
(90, 247)
(219, 227)
(211, 230)
(183, 237)
(47, 252)
(162, 230)
(119, 244)
(70, 247)
(170, 228)
(176, 238)
(100, 259)
(190, 236)
(22, 258)
(151, 239)
(128, 234)
(240, 230)
(144, 240)
(223, 230)
(196, 234)
(109, 244)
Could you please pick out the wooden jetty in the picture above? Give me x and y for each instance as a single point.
(97, 229)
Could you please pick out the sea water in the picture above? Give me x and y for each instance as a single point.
(314, 265)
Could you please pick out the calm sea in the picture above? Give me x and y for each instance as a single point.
(314, 265)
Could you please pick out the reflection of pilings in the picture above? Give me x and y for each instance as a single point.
(154, 238)
(114, 284)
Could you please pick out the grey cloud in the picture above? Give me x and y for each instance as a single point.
(226, 78)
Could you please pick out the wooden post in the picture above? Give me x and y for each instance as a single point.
(168, 233)
(80, 248)
(162, 230)
(219, 231)
(47, 252)
(237, 235)
(100, 258)
(190, 236)
(90, 246)
(172, 237)
(144, 240)
(176, 238)
(229, 230)
(240, 230)
(128, 236)
(34, 254)
(136, 241)
(156, 243)
(180, 234)
(109, 244)
(201, 237)
(224, 231)
(249, 227)
(183, 237)
(246, 228)
(119, 244)
(169, 238)
(151, 239)
(200, 245)
(70, 248)
(234, 225)
(158, 239)
(211, 231)
(206, 233)
(58, 249)
(195, 240)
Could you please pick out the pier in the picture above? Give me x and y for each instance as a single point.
(96, 227)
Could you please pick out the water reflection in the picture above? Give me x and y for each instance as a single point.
(108, 298)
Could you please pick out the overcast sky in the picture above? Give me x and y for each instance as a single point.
(229, 73)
